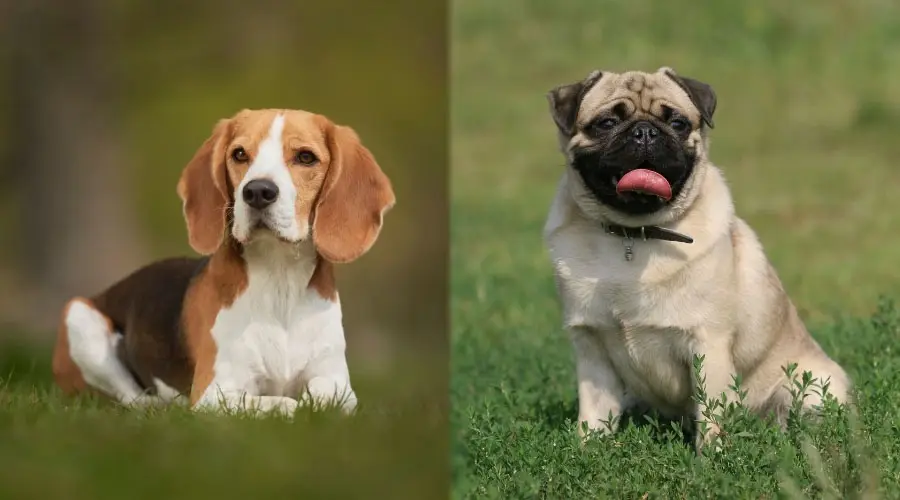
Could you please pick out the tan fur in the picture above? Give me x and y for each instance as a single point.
(205, 192)
(642, 93)
(354, 198)
(322, 280)
(302, 131)
(636, 325)
(343, 197)
(223, 280)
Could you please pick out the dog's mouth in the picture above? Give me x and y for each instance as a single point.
(261, 229)
(635, 186)
(265, 229)
(643, 180)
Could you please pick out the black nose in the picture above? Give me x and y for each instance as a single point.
(644, 133)
(260, 193)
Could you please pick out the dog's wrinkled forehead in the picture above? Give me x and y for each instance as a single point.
(641, 93)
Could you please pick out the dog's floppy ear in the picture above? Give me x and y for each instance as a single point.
(566, 99)
(354, 197)
(204, 192)
(702, 95)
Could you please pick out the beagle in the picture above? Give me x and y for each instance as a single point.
(272, 200)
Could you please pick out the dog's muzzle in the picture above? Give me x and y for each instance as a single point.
(260, 193)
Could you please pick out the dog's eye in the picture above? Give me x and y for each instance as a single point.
(239, 155)
(305, 158)
(605, 124)
(679, 125)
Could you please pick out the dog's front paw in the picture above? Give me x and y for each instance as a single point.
(279, 405)
(348, 406)
(324, 392)
(592, 429)
(707, 433)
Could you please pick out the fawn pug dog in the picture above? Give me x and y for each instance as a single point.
(653, 266)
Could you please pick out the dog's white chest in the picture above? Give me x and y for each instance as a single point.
(653, 363)
(272, 332)
(641, 312)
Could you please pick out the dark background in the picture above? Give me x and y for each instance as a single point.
(105, 102)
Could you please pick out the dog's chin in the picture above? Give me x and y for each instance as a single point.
(262, 232)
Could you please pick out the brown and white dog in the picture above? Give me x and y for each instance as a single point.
(272, 199)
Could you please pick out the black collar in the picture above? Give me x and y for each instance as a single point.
(647, 233)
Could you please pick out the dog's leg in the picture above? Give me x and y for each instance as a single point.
(717, 373)
(91, 343)
(233, 380)
(235, 392)
(324, 387)
(329, 383)
(601, 394)
(823, 370)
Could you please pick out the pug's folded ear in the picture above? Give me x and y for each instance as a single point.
(702, 95)
(565, 100)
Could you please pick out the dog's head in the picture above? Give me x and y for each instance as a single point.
(636, 140)
(289, 175)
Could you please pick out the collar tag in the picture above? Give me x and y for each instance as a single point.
(628, 243)
(629, 234)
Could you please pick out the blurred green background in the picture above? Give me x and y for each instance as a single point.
(806, 134)
(105, 102)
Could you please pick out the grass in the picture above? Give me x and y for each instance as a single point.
(805, 133)
(373, 70)
(55, 447)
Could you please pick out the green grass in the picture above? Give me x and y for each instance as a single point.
(86, 448)
(172, 77)
(805, 133)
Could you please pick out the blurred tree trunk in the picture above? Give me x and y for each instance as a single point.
(71, 177)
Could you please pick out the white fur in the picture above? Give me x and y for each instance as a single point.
(279, 337)
(92, 347)
(168, 394)
(280, 216)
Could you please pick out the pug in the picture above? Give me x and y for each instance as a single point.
(653, 267)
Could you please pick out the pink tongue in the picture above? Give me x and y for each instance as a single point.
(645, 181)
